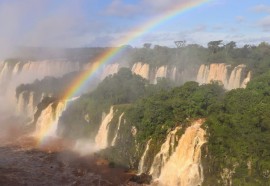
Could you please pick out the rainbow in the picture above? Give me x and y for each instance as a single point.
(105, 58)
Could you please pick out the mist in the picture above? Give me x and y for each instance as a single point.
(34, 23)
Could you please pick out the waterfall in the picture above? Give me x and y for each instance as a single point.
(101, 138)
(161, 73)
(235, 78)
(25, 104)
(142, 168)
(216, 72)
(118, 127)
(110, 70)
(202, 74)
(30, 106)
(141, 69)
(21, 104)
(5, 71)
(246, 80)
(13, 74)
(16, 69)
(165, 151)
(173, 74)
(47, 122)
(221, 73)
(184, 166)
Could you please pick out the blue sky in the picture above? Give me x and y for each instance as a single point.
(85, 23)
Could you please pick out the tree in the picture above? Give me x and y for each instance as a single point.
(214, 46)
(180, 44)
(147, 45)
(231, 45)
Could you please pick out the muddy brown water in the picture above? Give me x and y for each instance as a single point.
(24, 162)
(21, 163)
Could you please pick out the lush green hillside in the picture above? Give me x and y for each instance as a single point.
(121, 88)
(237, 122)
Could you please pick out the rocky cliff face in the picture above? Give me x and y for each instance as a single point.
(231, 78)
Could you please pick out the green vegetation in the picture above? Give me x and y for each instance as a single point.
(121, 88)
(237, 121)
(48, 86)
(155, 115)
(239, 135)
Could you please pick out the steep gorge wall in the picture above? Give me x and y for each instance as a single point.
(231, 78)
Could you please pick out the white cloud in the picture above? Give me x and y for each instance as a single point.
(261, 8)
(119, 8)
(44, 23)
(265, 23)
(143, 7)
(240, 19)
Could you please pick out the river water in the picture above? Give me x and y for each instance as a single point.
(22, 162)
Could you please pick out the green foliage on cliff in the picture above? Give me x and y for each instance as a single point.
(52, 86)
(121, 88)
(155, 115)
(239, 135)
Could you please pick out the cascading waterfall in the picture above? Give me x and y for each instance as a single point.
(142, 168)
(235, 78)
(16, 69)
(20, 104)
(4, 73)
(26, 106)
(246, 80)
(161, 73)
(117, 131)
(30, 105)
(13, 74)
(110, 70)
(48, 120)
(165, 152)
(141, 69)
(221, 72)
(101, 138)
(184, 166)
(173, 74)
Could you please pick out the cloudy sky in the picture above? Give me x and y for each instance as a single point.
(86, 23)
